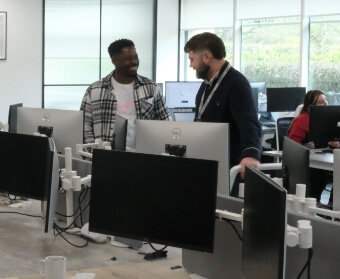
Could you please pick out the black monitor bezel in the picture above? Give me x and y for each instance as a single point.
(284, 99)
(264, 227)
(28, 169)
(123, 202)
(295, 165)
(323, 125)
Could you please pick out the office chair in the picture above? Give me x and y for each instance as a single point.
(282, 125)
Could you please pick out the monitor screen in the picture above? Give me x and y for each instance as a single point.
(184, 116)
(324, 125)
(285, 99)
(295, 165)
(261, 95)
(12, 117)
(66, 126)
(261, 87)
(29, 168)
(181, 94)
(199, 140)
(166, 200)
(264, 227)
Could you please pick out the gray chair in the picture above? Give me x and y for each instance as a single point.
(282, 125)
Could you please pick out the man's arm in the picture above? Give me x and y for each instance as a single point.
(245, 115)
(248, 161)
(161, 110)
(88, 135)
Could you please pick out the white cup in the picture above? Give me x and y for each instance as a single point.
(53, 267)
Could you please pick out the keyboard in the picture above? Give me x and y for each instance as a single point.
(269, 125)
(327, 150)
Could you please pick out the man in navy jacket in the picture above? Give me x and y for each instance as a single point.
(225, 96)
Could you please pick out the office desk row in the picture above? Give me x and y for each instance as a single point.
(226, 260)
(317, 159)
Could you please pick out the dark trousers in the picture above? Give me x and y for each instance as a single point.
(318, 182)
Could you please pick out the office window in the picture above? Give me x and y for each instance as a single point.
(324, 63)
(226, 34)
(77, 35)
(270, 51)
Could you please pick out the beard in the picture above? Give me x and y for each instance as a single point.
(202, 70)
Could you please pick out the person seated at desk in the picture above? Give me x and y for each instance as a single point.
(298, 131)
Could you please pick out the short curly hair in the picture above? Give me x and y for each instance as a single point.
(206, 41)
(118, 45)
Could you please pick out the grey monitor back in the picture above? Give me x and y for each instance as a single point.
(12, 117)
(199, 140)
(67, 125)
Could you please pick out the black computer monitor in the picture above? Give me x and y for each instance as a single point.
(65, 126)
(285, 99)
(324, 125)
(181, 94)
(295, 165)
(264, 227)
(255, 94)
(260, 86)
(261, 95)
(165, 200)
(199, 140)
(12, 117)
(119, 133)
(29, 168)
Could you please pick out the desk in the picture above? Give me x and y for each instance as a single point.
(318, 161)
(159, 269)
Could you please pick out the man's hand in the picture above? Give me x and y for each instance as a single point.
(334, 144)
(248, 161)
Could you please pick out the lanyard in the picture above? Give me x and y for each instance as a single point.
(203, 104)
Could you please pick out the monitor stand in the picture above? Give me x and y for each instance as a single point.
(123, 242)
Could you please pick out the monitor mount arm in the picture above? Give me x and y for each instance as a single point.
(300, 235)
(71, 182)
(80, 148)
(236, 169)
(299, 204)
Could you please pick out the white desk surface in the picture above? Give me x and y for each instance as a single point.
(319, 161)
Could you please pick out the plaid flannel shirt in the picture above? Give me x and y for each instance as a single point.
(100, 105)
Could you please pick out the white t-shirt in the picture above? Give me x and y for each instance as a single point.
(126, 108)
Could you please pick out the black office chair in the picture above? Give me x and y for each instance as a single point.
(282, 125)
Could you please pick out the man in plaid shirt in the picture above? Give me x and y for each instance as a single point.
(123, 92)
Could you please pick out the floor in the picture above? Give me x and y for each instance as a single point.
(23, 243)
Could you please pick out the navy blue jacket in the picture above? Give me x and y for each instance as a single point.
(233, 103)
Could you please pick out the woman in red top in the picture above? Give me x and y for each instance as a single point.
(298, 132)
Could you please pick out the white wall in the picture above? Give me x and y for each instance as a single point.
(167, 40)
(21, 72)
